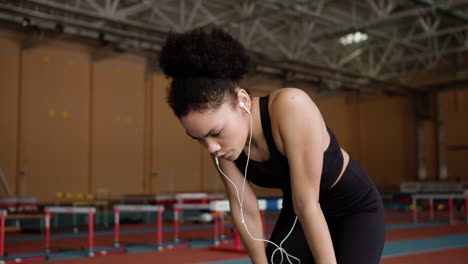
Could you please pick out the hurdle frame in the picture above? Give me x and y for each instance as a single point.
(138, 208)
(178, 210)
(71, 210)
(203, 197)
(431, 198)
(221, 207)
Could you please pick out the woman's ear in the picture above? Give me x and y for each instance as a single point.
(243, 98)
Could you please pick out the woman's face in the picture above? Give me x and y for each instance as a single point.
(223, 131)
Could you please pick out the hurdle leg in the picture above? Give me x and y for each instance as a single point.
(237, 241)
(221, 225)
(47, 232)
(216, 229)
(116, 227)
(159, 230)
(181, 216)
(176, 225)
(2, 236)
(91, 233)
(415, 210)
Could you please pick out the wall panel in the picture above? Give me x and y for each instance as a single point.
(54, 122)
(176, 156)
(455, 110)
(430, 149)
(118, 125)
(387, 140)
(9, 92)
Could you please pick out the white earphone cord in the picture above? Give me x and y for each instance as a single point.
(241, 202)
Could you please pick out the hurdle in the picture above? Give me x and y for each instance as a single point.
(195, 198)
(223, 206)
(138, 208)
(3, 215)
(71, 210)
(431, 198)
(178, 210)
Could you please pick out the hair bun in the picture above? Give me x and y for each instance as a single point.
(196, 53)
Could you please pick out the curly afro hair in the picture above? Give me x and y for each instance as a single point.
(206, 68)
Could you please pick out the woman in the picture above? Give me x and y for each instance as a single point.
(339, 211)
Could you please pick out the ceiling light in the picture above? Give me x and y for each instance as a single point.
(351, 38)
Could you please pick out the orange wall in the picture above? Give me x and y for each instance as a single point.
(177, 158)
(118, 115)
(455, 110)
(74, 125)
(9, 76)
(456, 121)
(388, 140)
(54, 121)
(377, 131)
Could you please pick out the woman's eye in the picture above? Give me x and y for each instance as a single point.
(217, 134)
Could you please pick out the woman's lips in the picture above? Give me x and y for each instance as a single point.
(225, 156)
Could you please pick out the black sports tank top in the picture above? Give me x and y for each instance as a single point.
(274, 173)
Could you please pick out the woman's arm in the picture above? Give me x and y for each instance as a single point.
(300, 127)
(252, 218)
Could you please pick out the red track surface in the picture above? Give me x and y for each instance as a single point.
(453, 256)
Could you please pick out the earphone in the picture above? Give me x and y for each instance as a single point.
(241, 200)
(245, 107)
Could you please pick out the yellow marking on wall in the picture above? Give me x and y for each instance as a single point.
(65, 115)
(117, 119)
(51, 113)
(129, 120)
(46, 59)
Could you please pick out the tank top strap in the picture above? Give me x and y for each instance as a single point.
(334, 145)
(266, 127)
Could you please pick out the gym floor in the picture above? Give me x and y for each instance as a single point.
(425, 242)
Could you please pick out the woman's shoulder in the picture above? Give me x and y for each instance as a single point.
(285, 98)
(288, 105)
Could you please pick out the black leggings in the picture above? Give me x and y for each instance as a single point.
(355, 216)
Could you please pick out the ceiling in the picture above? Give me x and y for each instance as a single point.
(298, 41)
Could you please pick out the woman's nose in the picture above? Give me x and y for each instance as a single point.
(213, 147)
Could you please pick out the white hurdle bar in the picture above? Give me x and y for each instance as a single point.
(71, 210)
(138, 208)
(3, 214)
(204, 198)
(432, 197)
